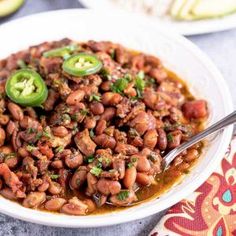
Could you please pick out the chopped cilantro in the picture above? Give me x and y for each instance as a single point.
(132, 161)
(75, 116)
(91, 133)
(150, 81)
(20, 63)
(122, 195)
(90, 159)
(96, 171)
(10, 155)
(99, 165)
(140, 83)
(169, 137)
(30, 148)
(120, 85)
(38, 135)
(105, 73)
(31, 130)
(84, 112)
(105, 159)
(54, 176)
(59, 149)
(113, 54)
(46, 134)
(133, 133)
(65, 117)
(141, 75)
(78, 182)
(94, 97)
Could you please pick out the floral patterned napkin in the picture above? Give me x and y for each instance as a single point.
(210, 210)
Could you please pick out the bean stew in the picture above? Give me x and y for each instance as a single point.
(79, 120)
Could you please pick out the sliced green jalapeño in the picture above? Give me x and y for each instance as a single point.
(82, 64)
(27, 88)
(60, 52)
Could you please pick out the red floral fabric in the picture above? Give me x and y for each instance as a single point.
(210, 210)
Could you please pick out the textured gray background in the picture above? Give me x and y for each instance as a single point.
(221, 48)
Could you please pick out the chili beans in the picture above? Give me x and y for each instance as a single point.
(55, 204)
(15, 111)
(130, 177)
(100, 135)
(2, 136)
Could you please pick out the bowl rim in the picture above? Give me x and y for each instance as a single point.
(104, 220)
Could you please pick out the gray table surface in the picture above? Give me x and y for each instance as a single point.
(220, 47)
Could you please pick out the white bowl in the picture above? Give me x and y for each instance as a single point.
(177, 53)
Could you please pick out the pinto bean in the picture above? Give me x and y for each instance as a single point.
(96, 108)
(15, 111)
(174, 138)
(183, 166)
(4, 119)
(110, 98)
(126, 149)
(54, 188)
(8, 193)
(108, 114)
(130, 177)
(143, 164)
(192, 154)
(78, 178)
(89, 122)
(43, 187)
(74, 160)
(34, 199)
(158, 74)
(131, 198)
(105, 141)
(75, 97)
(75, 207)
(91, 205)
(106, 85)
(11, 126)
(143, 179)
(119, 165)
(107, 187)
(2, 136)
(58, 164)
(162, 139)
(101, 126)
(150, 139)
(55, 204)
(60, 131)
(91, 184)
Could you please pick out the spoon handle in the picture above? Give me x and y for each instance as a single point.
(228, 120)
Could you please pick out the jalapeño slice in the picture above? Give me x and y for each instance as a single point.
(27, 88)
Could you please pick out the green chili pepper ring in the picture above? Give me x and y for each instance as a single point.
(82, 64)
(27, 88)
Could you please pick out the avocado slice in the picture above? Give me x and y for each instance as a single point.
(176, 6)
(185, 11)
(7, 7)
(216, 8)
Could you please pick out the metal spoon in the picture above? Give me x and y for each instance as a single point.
(167, 159)
(228, 120)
